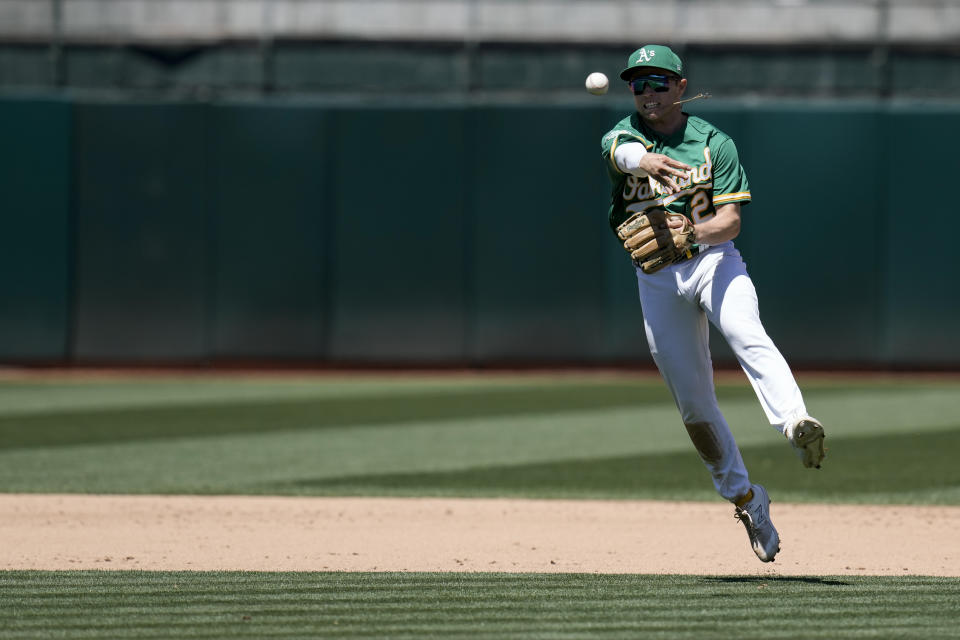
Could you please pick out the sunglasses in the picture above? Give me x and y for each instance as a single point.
(657, 82)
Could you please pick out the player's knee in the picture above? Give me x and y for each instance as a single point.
(706, 441)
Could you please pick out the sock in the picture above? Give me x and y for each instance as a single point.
(745, 499)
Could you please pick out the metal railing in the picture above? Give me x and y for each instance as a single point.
(577, 21)
(470, 28)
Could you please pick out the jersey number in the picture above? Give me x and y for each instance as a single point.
(699, 203)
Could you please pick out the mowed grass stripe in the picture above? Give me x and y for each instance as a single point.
(42, 395)
(144, 423)
(568, 455)
(223, 605)
(576, 437)
(172, 417)
(857, 469)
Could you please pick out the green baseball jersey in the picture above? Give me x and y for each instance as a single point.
(717, 177)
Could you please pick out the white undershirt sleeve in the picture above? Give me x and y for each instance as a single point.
(627, 156)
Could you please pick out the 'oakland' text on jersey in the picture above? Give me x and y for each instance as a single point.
(716, 178)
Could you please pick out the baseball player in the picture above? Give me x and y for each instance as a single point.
(678, 188)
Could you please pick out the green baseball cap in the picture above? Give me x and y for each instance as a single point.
(653, 55)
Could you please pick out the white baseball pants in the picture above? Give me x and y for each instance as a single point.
(677, 302)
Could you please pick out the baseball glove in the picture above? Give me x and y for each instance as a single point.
(652, 243)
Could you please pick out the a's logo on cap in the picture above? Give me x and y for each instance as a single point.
(645, 56)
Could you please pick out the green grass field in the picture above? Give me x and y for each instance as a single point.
(404, 605)
(891, 440)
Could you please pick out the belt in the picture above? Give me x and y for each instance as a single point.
(691, 253)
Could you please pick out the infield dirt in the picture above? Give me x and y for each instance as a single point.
(53, 532)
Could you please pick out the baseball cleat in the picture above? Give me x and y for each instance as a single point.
(755, 516)
(806, 435)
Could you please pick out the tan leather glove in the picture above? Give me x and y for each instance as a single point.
(652, 243)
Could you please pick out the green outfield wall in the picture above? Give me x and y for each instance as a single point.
(36, 242)
(462, 233)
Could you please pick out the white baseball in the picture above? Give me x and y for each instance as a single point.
(597, 83)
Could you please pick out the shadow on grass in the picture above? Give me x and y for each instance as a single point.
(777, 579)
(889, 464)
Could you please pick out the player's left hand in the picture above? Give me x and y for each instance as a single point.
(656, 238)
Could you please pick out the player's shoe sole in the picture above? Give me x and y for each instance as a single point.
(755, 516)
(806, 435)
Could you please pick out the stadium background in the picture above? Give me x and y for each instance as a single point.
(322, 182)
(315, 184)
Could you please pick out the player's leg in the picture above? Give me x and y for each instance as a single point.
(677, 333)
(730, 301)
